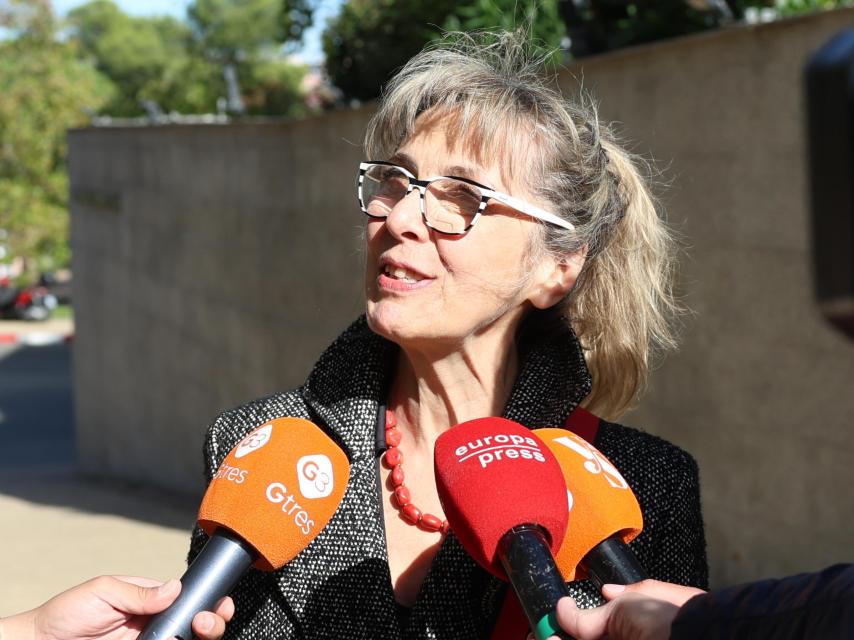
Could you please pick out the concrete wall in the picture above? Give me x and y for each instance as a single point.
(213, 263)
(761, 392)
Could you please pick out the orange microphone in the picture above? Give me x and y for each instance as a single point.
(604, 515)
(268, 500)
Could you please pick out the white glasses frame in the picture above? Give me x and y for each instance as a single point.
(486, 194)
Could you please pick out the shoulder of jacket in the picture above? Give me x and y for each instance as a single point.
(644, 452)
(230, 426)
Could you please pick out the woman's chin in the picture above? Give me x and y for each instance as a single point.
(400, 328)
(388, 325)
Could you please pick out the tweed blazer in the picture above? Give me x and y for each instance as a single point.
(340, 585)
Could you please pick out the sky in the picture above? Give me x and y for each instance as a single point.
(311, 51)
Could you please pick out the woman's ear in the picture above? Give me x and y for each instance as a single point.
(557, 278)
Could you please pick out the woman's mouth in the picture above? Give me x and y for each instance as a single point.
(395, 277)
(399, 273)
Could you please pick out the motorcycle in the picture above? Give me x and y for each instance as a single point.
(25, 303)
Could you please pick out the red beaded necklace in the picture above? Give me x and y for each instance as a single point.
(402, 501)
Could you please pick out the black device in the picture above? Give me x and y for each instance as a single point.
(613, 562)
(830, 131)
(530, 566)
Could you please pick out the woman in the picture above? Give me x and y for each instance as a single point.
(495, 212)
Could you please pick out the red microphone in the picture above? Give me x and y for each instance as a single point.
(505, 498)
(268, 500)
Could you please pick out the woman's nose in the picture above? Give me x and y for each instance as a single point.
(405, 220)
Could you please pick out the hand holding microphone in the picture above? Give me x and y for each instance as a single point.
(268, 500)
(642, 611)
(108, 608)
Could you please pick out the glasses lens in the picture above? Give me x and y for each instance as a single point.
(382, 188)
(451, 205)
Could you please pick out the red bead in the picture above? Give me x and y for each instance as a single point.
(445, 527)
(390, 420)
(393, 457)
(402, 500)
(430, 522)
(401, 495)
(397, 476)
(393, 437)
(411, 513)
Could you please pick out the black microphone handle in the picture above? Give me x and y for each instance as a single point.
(530, 567)
(212, 575)
(612, 562)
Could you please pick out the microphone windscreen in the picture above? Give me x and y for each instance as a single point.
(601, 502)
(493, 474)
(277, 489)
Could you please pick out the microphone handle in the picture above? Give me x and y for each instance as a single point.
(612, 562)
(212, 575)
(530, 567)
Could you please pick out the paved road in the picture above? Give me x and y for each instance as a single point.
(36, 423)
(58, 528)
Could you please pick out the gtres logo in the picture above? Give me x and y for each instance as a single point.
(277, 493)
(315, 476)
(316, 480)
(491, 448)
(232, 474)
(254, 441)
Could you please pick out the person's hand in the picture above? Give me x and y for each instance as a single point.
(642, 611)
(109, 608)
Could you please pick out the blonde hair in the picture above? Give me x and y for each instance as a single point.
(490, 83)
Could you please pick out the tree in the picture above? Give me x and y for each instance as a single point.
(540, 18)
(238, 34)
(596, 26)
(44, 90)
(369, 39)
(180, 67)
(273, 86)
(147, 58)
(229, 30)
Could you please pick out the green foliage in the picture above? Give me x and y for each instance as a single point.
(612, 24)
(538, 17)
(30, 19)
(788, 7)
(605, 25)
(273, 85)
(44, 90)
(370, 39)
(796, 7)
(229, 30)
(246, 34)
(298, 16)
(179, 67)
(147, 59)
(108, 63)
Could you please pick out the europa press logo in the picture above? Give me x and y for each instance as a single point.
(316, 479)
(254, 441)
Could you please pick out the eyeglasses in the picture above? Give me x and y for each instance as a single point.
(449, 205)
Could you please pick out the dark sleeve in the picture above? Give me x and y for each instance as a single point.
(679, 540)
(806, 606)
